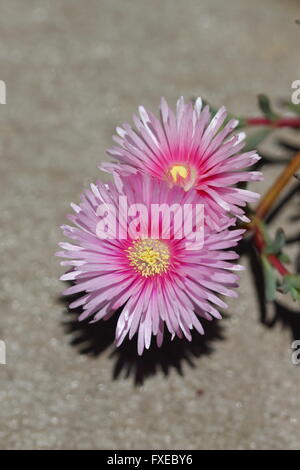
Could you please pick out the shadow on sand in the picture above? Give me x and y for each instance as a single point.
(94, 339)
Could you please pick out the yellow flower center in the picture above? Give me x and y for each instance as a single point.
(181, 175)
(178, 170)
(149, 257)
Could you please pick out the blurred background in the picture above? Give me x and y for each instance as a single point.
(74, 70)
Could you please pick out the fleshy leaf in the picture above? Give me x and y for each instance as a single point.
(275, 246)
(266, 108)
(270, 279)
(291, 283)
(284, 258)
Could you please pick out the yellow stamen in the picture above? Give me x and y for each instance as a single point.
(149, 257)
(182, 175)
(178, 170)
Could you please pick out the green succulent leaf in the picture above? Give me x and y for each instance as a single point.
(266, 108)
(291, 280)
(284, 258)
(275, 247)
(291, 283)
(270, 279)
(295, 294)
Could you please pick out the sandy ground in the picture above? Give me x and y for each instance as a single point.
(74, 70)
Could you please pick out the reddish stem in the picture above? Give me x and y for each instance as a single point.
(274, 261)
(282, 122)
(264, 207)
(272, 194)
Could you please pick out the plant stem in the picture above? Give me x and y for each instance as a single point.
(273, 260)
(282, 122)
(272, 194)
(264, 207)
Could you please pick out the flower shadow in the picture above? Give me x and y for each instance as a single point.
(94, 339)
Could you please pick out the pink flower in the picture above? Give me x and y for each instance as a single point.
(161, 282)
(191, 150)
